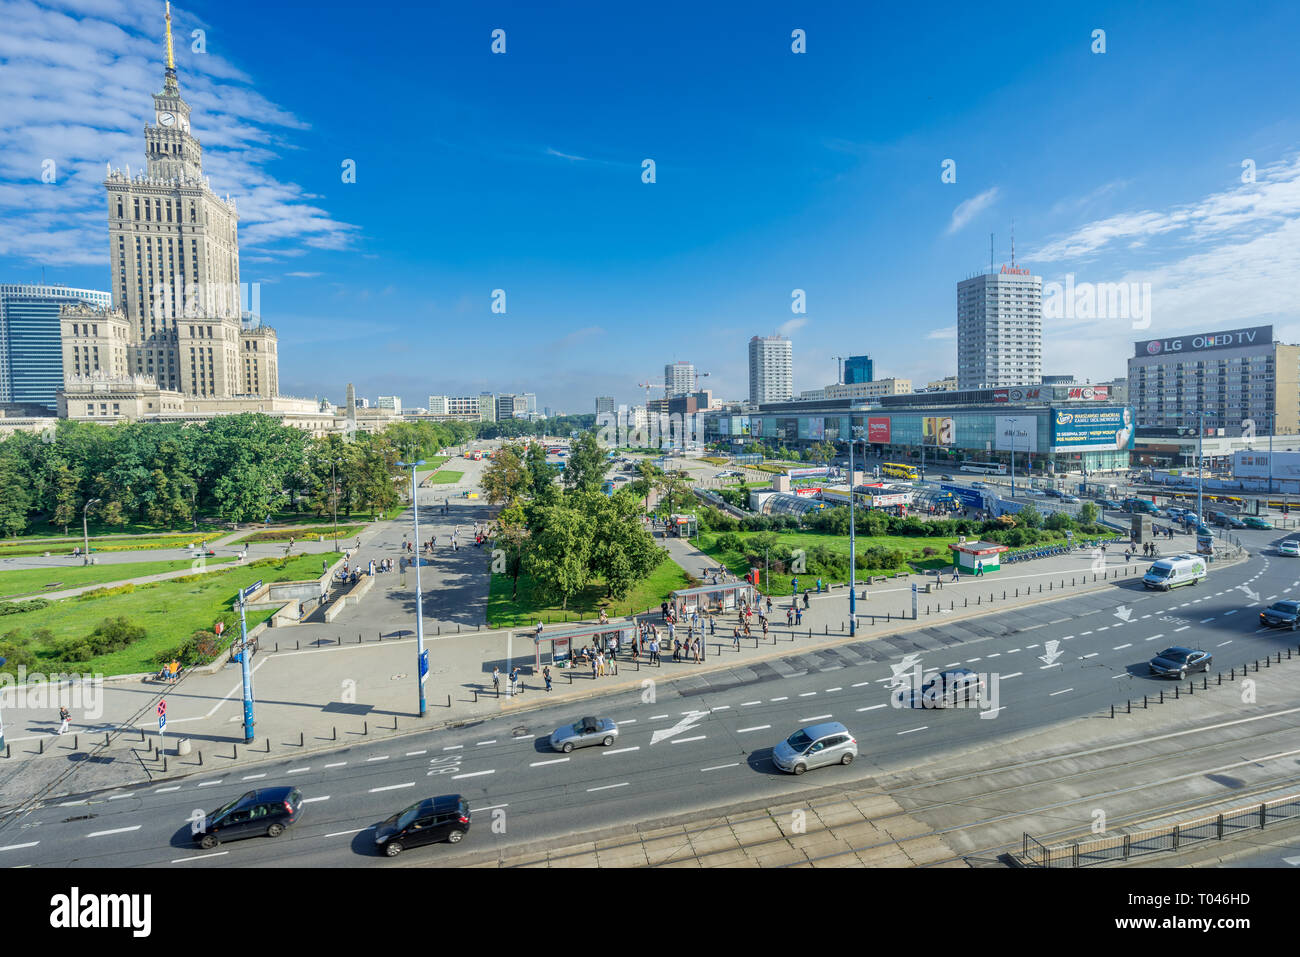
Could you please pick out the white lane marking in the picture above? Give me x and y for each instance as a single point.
(656, 717)
(453, 747)
(313, 800)
(118, 797)
(538, 764)
(1122, 675)
(829, 690)
(253, 777)
(721, 707)
(300, 770)
(19, 847)
(910, 730)
(750, 704)
(1154, 637)
(199, 857)
(1086, 633)
(165, 790)
(1013, 651)
(606, 787)
(872, 707)
(472, 774)
(1184, 628)
(356, 830)
(1055, 664)
(204, 784)
(971, 661)
(387, 787)
(336, 764)
(1122, 647)
(1093, 655)
(757, 727)
(698, 737)
(862, 684)
(1062, 691)
(780, 699)
(807, 694)
(491, 807)
(1222, 643)
(719, 767)
(817, 717)
(1015, 674)
(1204, 620)
(116, 830)
(1270, 597)
(635, 747)
(952, 664)
(996, 654)
(626, 721)
(1067, 637)
(479, 744)
(1104, 628)
(413, 754)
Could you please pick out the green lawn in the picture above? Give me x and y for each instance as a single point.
(42, 530)
(526, 611)
(170, 612)
(912, 545)
(115, 543)
(32, 581)
(445, 477)
(300, 534)
(432, 464)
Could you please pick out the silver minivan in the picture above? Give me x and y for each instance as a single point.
(815, 747)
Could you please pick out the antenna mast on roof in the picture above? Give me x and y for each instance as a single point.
(990, 252)
(1013, 244)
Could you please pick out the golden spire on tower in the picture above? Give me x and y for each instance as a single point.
(171, 62)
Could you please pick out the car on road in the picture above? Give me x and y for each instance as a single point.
(1232, 521)
(442, 818)
(815, 746)
(1290, 546)
(946, 478)
(946, 689)
(1176, 570)
(1254, 521)
(266, 811)
(584, 733)
(1177, 662)
(1281, 614)
(1055, 493)
(979, 485)
(1072, 499)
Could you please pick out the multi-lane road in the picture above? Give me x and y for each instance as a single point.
(691, 744)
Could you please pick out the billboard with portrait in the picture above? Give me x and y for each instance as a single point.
(1092, 430)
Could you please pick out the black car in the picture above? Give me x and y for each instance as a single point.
(945, 689)
(1177, 662)
(444, 818)
(266, 811)
(1281, 614)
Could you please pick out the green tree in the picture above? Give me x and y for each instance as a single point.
(1088, 514)
(506, 480)
(558, 553)
(584, 470)
(622, 551)
(15, 499)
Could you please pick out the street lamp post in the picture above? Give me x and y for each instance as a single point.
(422, 656)
(1200, 466)
(1012, 421)
(853, 555)
(85, 531)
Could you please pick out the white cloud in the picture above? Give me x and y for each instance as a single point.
(791, 326)
(303, 275)
(78, 76)
(968, 210)
(947, 332)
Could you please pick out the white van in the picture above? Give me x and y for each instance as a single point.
(1169, 573)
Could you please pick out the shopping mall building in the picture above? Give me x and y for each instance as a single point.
(1053, 428)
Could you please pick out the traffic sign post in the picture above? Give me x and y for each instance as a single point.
(162, 720)
(2, 720)
(913, 601)
(244, 657)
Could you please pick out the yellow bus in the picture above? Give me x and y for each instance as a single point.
(899, 470)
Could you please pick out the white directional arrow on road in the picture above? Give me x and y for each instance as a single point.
(1053, 652)
(688, 722)
(1123, 612)
(1252, 595)
(908, 662)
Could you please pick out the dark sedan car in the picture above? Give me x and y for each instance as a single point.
(267, 811)
(1281, 614)
(1178, 662)
(1253, 521)
(443, 818)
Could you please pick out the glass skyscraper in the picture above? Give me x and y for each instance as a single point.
(31, 346)
(858, 369)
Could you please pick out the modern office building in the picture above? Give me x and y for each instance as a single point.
(31, 342)
(946, 384)
(174, 258)
(392, 403)
(771, 369)
(1239, 380)
(679, 379)
(1000, 330)
(605, 403)
(858, 369)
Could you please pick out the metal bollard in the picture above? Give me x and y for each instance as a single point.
(234, 751)
(365, 727)
(40, 745)
(334, 733)
(1004, 595)
(1144, 702)
(302, 739)
(448, 701)
(1112, 711)
(76, 742)
(1129, 706)
(164, 764)
(200, 753)
(297, 644)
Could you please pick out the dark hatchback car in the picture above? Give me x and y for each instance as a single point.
(1177, 662)
(1281, 614)
(444, 818)
(267, 811)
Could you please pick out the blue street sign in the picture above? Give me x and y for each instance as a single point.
(424, 666)
(162, 721)
(243, 595)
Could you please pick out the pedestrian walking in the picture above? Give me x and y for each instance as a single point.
(594, 672)
(677, 650)
(798, 616)
(789, 616)
(546, 676)
(979, 565)
(64, 716)
(735, 637)
(514, 680)
(496, 681)
(712, 624)
(769, 604)
(698, 641)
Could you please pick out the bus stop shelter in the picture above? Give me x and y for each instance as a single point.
(707, 599)
(987, 555)
(563, 644)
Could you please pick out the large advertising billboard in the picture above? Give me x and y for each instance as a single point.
(937, 430)
(740, 425)
(1016, 433)
(1088, 393)
(1233, 338)
(817, 428)
(1092, 430)
(1286, 465)
(755, 426)
(878, 429)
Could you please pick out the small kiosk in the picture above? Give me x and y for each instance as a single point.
(966, 555)
(712, 599)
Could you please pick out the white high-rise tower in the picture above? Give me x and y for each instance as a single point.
(1000, 329)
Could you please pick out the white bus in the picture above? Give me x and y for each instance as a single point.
(984, 468)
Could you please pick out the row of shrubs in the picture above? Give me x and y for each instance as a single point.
(18, 607)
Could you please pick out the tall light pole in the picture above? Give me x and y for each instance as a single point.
(1013, 420)
(853, 555)
(422, 656)
(1200, 465)
(85, 530)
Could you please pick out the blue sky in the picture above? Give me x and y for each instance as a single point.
(775, 171)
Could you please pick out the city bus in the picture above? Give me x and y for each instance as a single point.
(984, 468)
(900, 470)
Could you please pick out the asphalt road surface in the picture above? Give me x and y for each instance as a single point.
(693, 744)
